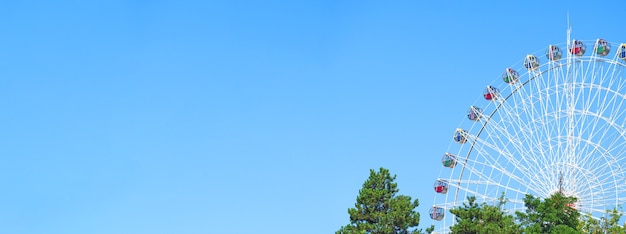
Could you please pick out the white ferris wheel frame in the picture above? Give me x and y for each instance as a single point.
(567, 119)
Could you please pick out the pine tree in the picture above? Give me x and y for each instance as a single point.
(380, 210)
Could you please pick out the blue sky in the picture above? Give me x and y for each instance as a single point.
(244, 116)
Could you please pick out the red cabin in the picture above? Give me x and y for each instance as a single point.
(578, 48)
(490, 93)
(441, 186)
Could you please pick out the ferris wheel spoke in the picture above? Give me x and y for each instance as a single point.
(500, 145)
(537, 109)
(510, 128)
(503, 175)
(463, 185)
(543, 130)
(605, 166)
(489, 172)
(526, 154)
(618, 140)
(592, 130)
(618, 144)
(487, 160)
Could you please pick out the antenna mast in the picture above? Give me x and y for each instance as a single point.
(569, 32)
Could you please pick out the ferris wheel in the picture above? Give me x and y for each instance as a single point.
(551, 125)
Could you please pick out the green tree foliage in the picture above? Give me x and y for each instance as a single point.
(380, 210)
(552, 215)
(474, 218)
(609, 224)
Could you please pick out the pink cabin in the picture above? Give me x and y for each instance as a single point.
(436, 213)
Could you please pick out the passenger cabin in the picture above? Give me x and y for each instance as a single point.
(602, 47)
(553, 53)
(436, 213)
(441, 186)
(531, 62)
(448, 160)
(578, 48)
(510, 76)
(460, 136)
(474, 113)
(490, 93)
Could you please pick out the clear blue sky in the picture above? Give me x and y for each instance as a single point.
(245, 116)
